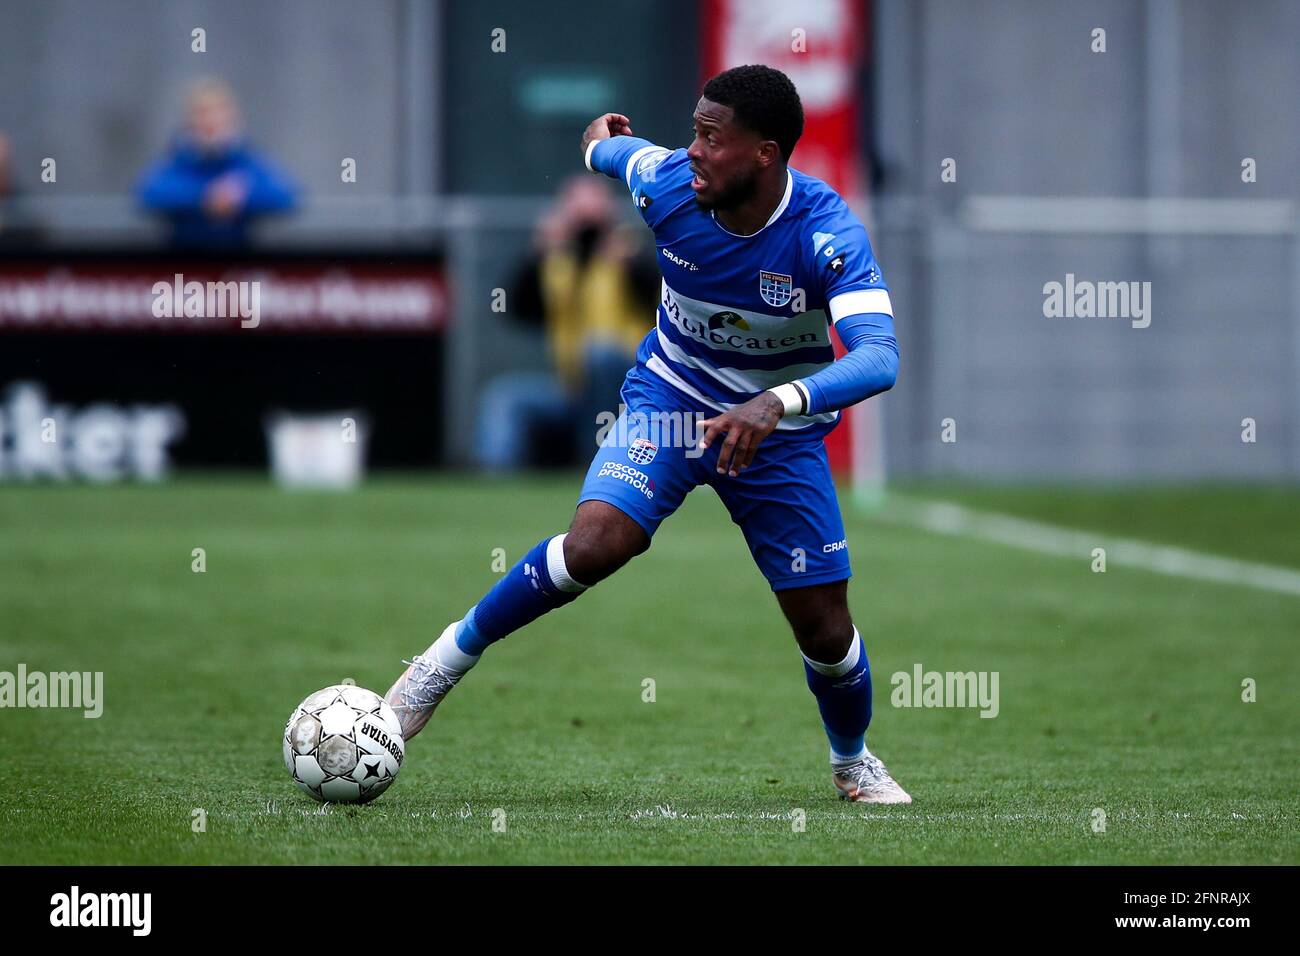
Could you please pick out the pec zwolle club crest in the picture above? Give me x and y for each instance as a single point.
(642, 451)
(775, 288)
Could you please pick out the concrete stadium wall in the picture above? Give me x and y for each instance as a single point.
(1013, 92)
(100, 85)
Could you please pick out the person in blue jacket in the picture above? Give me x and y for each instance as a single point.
(211, 186)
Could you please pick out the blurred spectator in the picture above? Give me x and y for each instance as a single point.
(595, 298)
(211, 185)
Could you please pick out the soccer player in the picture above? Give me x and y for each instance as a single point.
(758, 261)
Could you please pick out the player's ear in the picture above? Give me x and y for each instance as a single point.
(769, 154)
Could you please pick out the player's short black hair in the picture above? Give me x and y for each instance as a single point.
(764, 100)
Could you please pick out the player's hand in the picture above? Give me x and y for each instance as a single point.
(611, 124)
(603, 127)
(745, 427)
(225, 197)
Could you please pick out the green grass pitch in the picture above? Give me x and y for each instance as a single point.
(1119, 691)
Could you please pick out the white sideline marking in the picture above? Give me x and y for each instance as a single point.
(1124, 214)
(942, 517)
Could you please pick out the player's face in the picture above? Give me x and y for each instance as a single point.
(724, 158)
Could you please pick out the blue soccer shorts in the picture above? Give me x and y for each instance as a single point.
(784, 502)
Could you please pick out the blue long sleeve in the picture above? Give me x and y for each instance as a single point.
(269, 190)
(610, 156)
(176, 187)
(869, 368)
(169, 187)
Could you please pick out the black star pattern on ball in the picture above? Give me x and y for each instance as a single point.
(372, 770)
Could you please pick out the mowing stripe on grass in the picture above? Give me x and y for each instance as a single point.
(943, 517)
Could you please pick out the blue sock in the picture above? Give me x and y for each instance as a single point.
(538, 583)
(843, 693)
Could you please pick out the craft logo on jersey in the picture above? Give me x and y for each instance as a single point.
(775, 288)
(642, 451)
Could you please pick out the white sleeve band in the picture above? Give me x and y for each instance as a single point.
(591, 148)
(793, 397)
(859, 303)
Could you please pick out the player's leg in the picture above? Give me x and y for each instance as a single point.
(600, 540)
(839, 676)
(835, 663)
(785, 504)
(629, 490)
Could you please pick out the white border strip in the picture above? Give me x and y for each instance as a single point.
(943, 517)
(1119, 214)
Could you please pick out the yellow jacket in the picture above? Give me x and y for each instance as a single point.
(588, 303)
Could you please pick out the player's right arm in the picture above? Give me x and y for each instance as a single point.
(608, 144)
(609, 147)
(603, 128)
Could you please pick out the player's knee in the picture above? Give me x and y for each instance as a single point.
(599, 543)
(825, 639)
(591, 558)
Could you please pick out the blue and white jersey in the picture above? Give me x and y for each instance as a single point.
(738, 315)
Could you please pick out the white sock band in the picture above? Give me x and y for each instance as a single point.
(556, 569)
(840, 760)
(843, 667)
(447, 652)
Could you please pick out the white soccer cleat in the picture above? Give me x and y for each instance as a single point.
(867, 781)
(420, 689)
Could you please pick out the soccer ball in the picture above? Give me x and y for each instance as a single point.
(343, 744)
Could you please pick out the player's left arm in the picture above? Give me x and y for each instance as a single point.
(858, 302)
(869, 368)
